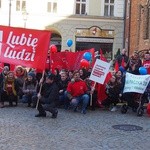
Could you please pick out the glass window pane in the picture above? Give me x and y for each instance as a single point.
(111, 10)
(83, 9)
(106, 1)
(77, 8)
(111, 1)
(83, 0)
(55, 7)
(49, 7)
(106, 10)
(77, 0)
(23, 5)
(17, 5)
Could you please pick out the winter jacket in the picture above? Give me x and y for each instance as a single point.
(50, 93)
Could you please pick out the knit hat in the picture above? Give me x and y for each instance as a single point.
(51, 76)
(32, 74)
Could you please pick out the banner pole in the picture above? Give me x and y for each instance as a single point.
(40, 89)
(91, 94)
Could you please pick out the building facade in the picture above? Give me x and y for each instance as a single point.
(88, 23)
(137, 25)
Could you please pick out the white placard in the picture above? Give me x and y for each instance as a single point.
(136, 83)
(99, 71)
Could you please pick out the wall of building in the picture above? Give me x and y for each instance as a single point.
(137, 27)
(65, 22)
(95, 10)
(68, 31)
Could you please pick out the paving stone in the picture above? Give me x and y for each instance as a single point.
(20, 130)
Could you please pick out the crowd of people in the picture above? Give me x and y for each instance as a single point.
(68, 89)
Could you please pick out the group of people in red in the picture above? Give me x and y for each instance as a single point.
(69, 89)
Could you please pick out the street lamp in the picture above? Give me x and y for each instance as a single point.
(25, 17)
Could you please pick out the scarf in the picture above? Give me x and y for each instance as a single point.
(9, 86)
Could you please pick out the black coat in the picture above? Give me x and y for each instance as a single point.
(113, 91)
(50, 93)
(120, 58)
(2, 78)
(62, 85)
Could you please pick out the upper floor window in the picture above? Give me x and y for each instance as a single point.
(109, 8)
(20, 5)
(80, 7)
(52, 6)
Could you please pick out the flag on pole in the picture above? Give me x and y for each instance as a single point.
(25, 47)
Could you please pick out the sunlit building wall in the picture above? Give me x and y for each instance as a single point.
(89, 23)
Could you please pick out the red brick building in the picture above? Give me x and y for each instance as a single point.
(137, 25)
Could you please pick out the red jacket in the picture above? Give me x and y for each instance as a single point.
(146, 64)
(77, 88)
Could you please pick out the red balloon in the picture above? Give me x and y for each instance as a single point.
(84, 63)
(53, 49)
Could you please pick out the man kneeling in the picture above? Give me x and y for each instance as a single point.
(48, 97)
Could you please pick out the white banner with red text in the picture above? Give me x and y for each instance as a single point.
(99, 71)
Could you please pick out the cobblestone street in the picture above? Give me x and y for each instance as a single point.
(20, 130)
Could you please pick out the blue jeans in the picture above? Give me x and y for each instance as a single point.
(83, 99)
(63, 98)
(28, 98)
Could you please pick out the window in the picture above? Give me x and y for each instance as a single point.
(20, 5)
(52, 6)
(80, 7)
(109, 8)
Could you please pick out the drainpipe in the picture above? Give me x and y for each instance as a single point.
(124, 18)
(129, 27)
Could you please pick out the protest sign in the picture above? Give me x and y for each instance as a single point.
(136, 83)
(99, 71)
